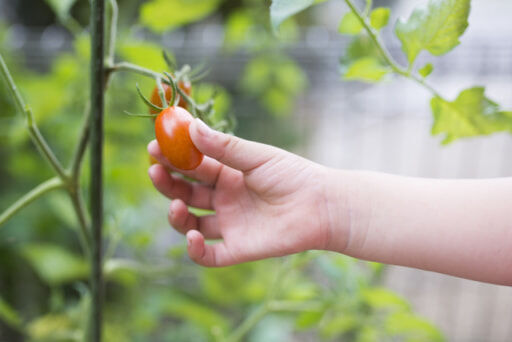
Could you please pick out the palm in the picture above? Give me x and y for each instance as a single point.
(254, 210)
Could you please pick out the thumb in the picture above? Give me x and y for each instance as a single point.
(230, 150)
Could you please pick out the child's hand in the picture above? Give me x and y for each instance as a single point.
(268, 202)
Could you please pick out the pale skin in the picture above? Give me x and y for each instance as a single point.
(270, 203)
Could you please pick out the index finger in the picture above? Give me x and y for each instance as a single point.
(207, 172)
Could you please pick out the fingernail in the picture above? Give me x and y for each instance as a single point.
(189, 242)
(152, 145)
(151, 170)
(203, 128)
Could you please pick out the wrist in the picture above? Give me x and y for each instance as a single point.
(347, 210)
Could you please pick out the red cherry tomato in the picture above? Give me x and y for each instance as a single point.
(171, 130)
(185, 86)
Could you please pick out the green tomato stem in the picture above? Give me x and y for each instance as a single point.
(97, 98)
(111, 32)
(31, 196)
(34, 132)
(253, 319)
(125, 66)
(374, 36)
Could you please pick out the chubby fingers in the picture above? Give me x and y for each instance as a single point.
(194, 194)
(207, 172)
(183, 221)
(237, 153)
(216, 255)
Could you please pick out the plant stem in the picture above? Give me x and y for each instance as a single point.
(422, 82)
(248, 324)
(80, 211)
(96, 191)
(72, 25)
(79, 153)
(125, 66)
(111, 32)
(35, 134)
(31, 196)
(292, 306)
(263, 309)
(368, 8)
(68, 180)
(374, 36)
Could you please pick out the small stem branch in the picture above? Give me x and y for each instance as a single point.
(98, 74)
(44, 148)
(248, 324)
(263, 309)
(111, 32)
(424, 84)
(125, 66)
(35, 134)
(80, 211)
(79, 153)
(38, 191)
(72, 25)
(294, 306)
(368, 8)
(374, 36)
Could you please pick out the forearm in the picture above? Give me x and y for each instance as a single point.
(457, 227)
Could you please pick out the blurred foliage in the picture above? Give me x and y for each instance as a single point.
(472, 113)
(154, 293)
(162, 15)
(276, 80)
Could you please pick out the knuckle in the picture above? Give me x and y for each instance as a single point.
(230, 145)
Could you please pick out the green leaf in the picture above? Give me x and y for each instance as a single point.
(350, 24)
(381, 298)
(412, 328)
(338, 324)
(435, 28)
(124, 271)
(379, 17)
(202, 93)
(162, 15)
(280, 10)
(369, 333)
(145, 54)
(360, 47)
(53, 327)
(471, 114)
(272, 328)
(190, 310)
(54, 264)
(309, 318)
(238, 28)
(276, 80)
(426, 70)
(9, 315)
(235, 284)
(61, 7)
(367, 69)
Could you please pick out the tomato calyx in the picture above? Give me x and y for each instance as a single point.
(174, 88)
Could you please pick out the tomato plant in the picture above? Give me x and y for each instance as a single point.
(162, 303)
(171, 130)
